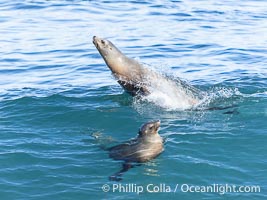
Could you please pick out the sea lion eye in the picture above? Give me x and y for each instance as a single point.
(103, 41)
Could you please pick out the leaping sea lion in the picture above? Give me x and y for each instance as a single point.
(139, 80)
(147, 145)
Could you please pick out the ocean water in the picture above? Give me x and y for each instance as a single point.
(57, 95)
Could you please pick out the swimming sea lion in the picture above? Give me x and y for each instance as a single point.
(147, 145)
(139, 80)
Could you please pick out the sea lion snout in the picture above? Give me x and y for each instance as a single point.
(157, 124)
(95, 42)
(95, 38)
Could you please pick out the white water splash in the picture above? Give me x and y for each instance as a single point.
(171, 94)
(175, 95)
(218, 95)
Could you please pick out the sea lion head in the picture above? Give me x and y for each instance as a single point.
(149, 128)
(108, 51)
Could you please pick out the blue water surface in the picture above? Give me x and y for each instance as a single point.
(57, 95)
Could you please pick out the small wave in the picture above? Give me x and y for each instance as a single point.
(221, 165)
(259, 94)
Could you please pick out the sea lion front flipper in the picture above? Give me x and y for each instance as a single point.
(117, 176)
